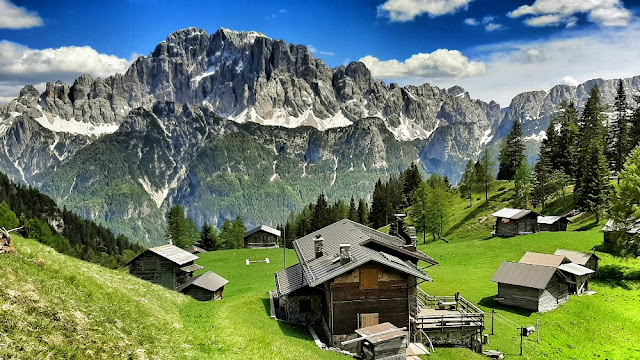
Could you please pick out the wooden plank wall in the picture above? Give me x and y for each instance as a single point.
(389, 300)
(519, 296)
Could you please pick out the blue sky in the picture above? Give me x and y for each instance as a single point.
(494, 49)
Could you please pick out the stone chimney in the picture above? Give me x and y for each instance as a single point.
(344, 253)
(318, 244)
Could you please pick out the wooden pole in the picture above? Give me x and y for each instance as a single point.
(493, 313)
(521, 339)
(538, 328)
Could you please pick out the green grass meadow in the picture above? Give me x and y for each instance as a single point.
(70, 309)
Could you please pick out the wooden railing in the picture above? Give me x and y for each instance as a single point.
(466, 314)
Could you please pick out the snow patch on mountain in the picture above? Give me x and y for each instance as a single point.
(56, 124)
(281, 117)
(158, 196)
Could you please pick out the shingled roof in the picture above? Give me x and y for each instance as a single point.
(577, 257)
(171, 253)
(513, 214)
(312, 271)
(542, 259)
(208, 281)
(550, 220)
(527, 275)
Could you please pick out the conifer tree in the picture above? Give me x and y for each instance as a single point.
(419, 212)
(353, 210)
(567, 140)
(468, 183)
(378, 205)
(618, 143)
(209, 237)
(592, 176)
(484, 172)
(181, 231)
(363, 212)
(625, 209)
(522, 186)
(321, 214)
(511, 153)
(411, 180)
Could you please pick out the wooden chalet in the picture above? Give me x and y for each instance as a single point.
(534, 287)
(512, 222)
(613, 231)
(205, 287)
(350, 276)
(261, 237)
(553, 223)
(166, 265)
(588, 260)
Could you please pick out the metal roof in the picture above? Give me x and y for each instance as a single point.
(174, 254)
(576, 269)
(208, 281)
(315, 271)
(265, 228)
(513, 214)
(527, 275)
(576, 256)
(386, 331)
(542, 259)
(290, 280)
(550, 219)
(191, 268)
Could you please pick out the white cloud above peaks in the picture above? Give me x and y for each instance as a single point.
(408, 10)
(440, 64)
(558, 12)
(16, 17)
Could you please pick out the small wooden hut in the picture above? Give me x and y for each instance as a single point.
(261, 237)
(205, 287)
(512, 222)
(533, 287)
(383, 342)
(166, 265)
(535, 258)
(588, 260)
(613, 231)
(577, 276)
(553, 223)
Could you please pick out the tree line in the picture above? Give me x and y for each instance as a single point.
(41, 219)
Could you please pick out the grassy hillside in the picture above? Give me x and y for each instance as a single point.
(54, 306)
(605, 325)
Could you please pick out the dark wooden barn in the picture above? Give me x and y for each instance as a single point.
(613, 231)
(261, 237)
(534, 287)
(553, 223)
(512, 222)
(205, 287)
(166, 265)
(350, 276)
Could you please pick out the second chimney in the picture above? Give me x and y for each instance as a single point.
(318, 243)
(344, 253)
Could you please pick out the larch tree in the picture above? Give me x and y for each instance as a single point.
(468, 183)
(522, 186)
(484, 172)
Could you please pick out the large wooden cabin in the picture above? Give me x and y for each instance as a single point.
(261, 237)
(166, 265)
(512, 222)
(350, 276)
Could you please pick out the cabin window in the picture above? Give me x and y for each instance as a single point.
(368, 279)
(305, 306)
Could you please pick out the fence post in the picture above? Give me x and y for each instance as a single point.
(521, 337)
(538, 328)
(493, 313)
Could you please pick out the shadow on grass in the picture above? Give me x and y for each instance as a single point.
(491, 303)
(267, 306)
(288, 329)
(617, 272)
(588, 226)
(470, 216)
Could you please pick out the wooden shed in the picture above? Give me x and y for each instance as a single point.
(534, 287)
(205, 287)
(383, 342)
(577, 276)
(553, 223)
(535, 258)
(588, 260)
(261, 237)
(613, 231)
(166, 265)
(512, 222)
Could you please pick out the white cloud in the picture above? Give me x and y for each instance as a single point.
(471, 21)
(321, 52)
(407, 10)
(20, 65)
(440, 64)
(569, 80)
(487, 19)
(15, 17)
(556, 12)
(493, 27)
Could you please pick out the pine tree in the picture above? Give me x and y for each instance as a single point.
(419, 212)
(321, 214)
(618, 144)
(353, 210)
(567, 141)
(592, 176)
(181, 231)
(468, 183)
(411, 180)
(363, 212)
(511, 153)
(238, 229)
(634, 123)
(378, 205)
(209, 237)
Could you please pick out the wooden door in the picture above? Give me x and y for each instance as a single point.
(368, 319)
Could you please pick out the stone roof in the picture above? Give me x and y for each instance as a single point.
(542, 259)
(527, 275)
